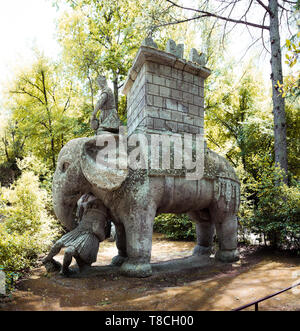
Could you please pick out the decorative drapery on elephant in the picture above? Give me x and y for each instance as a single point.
(133, 198)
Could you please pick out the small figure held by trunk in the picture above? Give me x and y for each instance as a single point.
(82, 243)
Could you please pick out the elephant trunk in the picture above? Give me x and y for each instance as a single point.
(64, 206)
(65, 197)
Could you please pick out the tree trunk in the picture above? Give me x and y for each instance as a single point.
(92, 91)
(278, 102)
(116, 92)
(53, 153)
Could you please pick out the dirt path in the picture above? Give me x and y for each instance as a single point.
(214, 287)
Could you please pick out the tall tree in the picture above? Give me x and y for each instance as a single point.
(103, 37)
(273, 11)
(40, 101)
(100, 37)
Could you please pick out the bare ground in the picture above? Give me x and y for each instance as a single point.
(215, 286)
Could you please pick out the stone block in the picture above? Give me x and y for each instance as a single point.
(150, 123)
(165, 114)
(164, 91)
(183, 107)
(157, 101)
(194, 110)
(171, 104)
(175, 73)
(149, 77)
(153, 67)
(176, 94)
(158, 124)
(198, 121)
(149, 100)
(171, 125)
(187, 97)
(188, 119)
(194, 129)
(188, 77)
(179, 64)
(198, 101)
(183, 86)
(201, 82)
(152, 112)
(194, 89)
(181, 127)
(165, 70)
(171, 83)
(159, 80)
(153, 89)
(176, 116)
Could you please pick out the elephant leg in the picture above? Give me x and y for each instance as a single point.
(226, 228)
(139, 230)
(121, 245)
(205, 231)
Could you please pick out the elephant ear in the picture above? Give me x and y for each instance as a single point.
(98, 172)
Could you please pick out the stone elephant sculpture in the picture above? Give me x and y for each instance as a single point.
(212, 202)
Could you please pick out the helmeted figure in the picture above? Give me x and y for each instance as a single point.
(108, 119)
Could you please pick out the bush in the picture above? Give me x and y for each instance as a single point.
(276, 214)
(26, 229)
(175, 226)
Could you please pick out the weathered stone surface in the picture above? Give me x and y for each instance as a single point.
(174, 49)
(108, 119)
(195, 57)
(164, 95)
(149, 42)
(142, 195)
(168, 84)
(82, 243)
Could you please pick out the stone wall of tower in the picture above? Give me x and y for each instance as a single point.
(165, 93)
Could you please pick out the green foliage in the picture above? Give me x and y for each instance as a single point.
(45, 111)
(238, 119)
(175, 226)
(291, 83)
(276, 213)
(10, 278)
(27, 229)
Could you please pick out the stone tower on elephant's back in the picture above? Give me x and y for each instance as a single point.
(165, 93)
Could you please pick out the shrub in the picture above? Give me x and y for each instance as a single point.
(26, 229)
(276, 212)
(175, 226)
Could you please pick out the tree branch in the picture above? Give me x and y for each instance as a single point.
(23, 91)
(264, 6)
(209, 14)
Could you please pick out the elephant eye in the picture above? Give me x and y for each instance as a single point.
(65, 166)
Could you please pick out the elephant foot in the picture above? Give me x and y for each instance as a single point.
(202, 250)
(228, 255)
(51, 265)
(118, 260)
(139, 270)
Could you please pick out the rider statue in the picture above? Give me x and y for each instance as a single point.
(108, 119)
